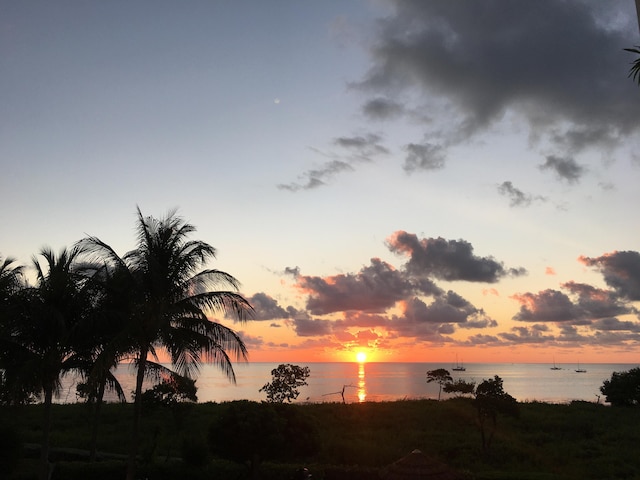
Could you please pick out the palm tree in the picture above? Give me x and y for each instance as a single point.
(37, 347)
(11, 282)
(10, 278)
(634, 71)
(96, 362)
(166, 300)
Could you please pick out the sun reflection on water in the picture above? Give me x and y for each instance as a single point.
(362, 390)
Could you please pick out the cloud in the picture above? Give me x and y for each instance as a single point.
(447, 259)
(266, 307)
(565, 168)
(424, 157)
(517, 198)
(375, 288)
(558, 66)
(317, 177)
(353, 318)
(307, 327)
(547, 306)
(440, 311)
(380, 108)
(614, 324)
(359, 148)
(527, 335)
(621, 271)
(293, 271)
(597, 303)
(251, 341)
(362, 147)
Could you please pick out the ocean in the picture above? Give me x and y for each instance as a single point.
(377, 382)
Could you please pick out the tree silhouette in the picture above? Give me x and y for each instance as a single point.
(460, 387)
(623, 388)
(441, 376)
(286, 380)
(13, 390)
(491, 399)
(38, 340)
(166, 300)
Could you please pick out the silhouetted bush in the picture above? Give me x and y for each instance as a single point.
(623, 388)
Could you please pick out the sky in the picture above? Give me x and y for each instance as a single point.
(416, 180)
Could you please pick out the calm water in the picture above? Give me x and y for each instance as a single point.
(394, 381)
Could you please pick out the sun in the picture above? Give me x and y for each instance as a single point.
(361, 357)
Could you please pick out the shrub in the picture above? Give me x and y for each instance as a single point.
(623, 389)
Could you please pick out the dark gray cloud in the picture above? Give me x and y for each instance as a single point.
(439, 311)
(449, 308)
(425, 156)
(447, 259)
(317, 177)
(558, 65)
(527, 335)
(517, 198)
(566, 169)
(267, 308)
(359, 148)
(413, 326)
(375, 288)
(353, 318)
(362, 147)
(597, 303)
(555, 306)
(308, 327)
(621, 271)
(615, 325)
(547, 306)
(293, 271)
(380, 108)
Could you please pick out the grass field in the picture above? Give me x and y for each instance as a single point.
(575, 441)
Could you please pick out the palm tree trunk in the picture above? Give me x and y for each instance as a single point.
(46, 429)
(137, 413)
(96, 422)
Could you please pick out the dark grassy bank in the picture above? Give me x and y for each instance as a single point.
(577, 441)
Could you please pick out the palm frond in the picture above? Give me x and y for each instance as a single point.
(634, 71)
(230, 304)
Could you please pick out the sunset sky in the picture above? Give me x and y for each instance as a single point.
(416, 180)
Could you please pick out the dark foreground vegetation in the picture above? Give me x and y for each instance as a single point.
(335, 441)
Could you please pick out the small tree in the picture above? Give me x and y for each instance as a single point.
(441, 376)
(460, 388)
(623, 389)
(172, 390)
(286, 380)
(491, 399)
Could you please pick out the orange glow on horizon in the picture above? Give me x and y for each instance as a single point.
(444, 355)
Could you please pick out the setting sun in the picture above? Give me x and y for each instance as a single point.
(361, 357)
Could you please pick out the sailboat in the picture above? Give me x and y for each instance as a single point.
(580, 370)
(459, 367)
(554, 365)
